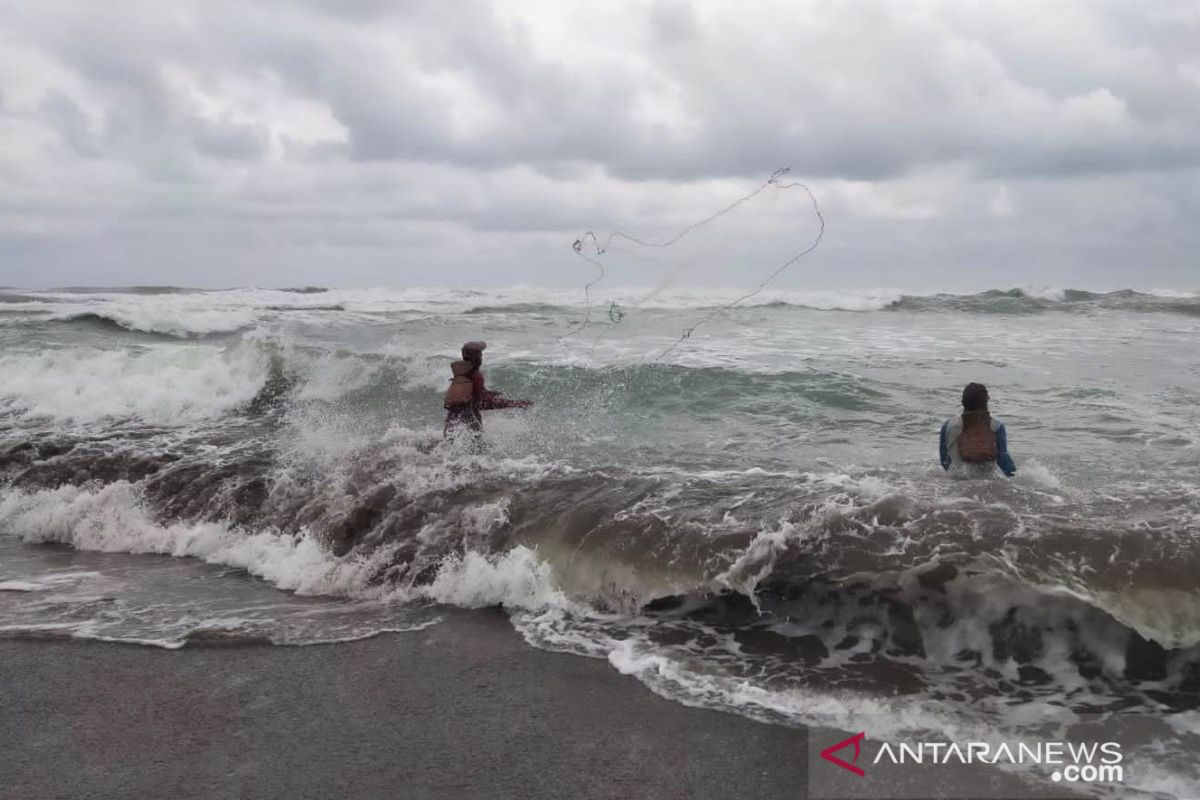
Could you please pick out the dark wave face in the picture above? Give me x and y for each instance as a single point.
(757, 524)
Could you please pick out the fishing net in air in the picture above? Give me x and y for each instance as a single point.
(725, 257)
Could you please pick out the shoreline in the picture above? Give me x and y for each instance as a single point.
(463, 709)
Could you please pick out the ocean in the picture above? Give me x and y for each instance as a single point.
(750, 517)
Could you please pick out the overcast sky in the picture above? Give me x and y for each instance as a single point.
(952, 145)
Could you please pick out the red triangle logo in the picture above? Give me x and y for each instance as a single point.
(828, 753)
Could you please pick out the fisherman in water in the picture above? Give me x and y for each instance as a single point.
(468, 397)
(975, 438)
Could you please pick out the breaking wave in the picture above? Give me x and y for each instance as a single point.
(186, 314)
(759, 527)
(165, 384)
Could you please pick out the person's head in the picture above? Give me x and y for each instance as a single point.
(975, 397)
(472, 353)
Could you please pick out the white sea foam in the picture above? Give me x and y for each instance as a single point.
(758, 559)
(163, 384)
(193, 313)
(1035, 472)
(153, 601)
(516, 579)
(21, 586)
(167, 319)
(1051, 293)
(112, 520)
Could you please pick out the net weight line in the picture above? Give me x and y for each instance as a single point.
(589, 241)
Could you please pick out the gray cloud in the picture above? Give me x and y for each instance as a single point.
(867, 91)
(233, 140)
(306, 133)
(71, 124)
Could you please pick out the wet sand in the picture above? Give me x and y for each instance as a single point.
(464, 709)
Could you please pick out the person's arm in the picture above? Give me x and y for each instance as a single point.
(488, 400)
(1003, 459)
(944, 447)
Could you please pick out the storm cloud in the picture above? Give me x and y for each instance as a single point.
(953, 145)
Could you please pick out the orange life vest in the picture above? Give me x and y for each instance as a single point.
(462, 389)
(977, 442)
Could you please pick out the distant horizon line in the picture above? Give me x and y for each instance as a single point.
(318, 289)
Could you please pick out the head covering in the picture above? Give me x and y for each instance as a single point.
(975, 397)
(473, 349)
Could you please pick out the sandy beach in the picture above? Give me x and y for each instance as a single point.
(465, 709)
